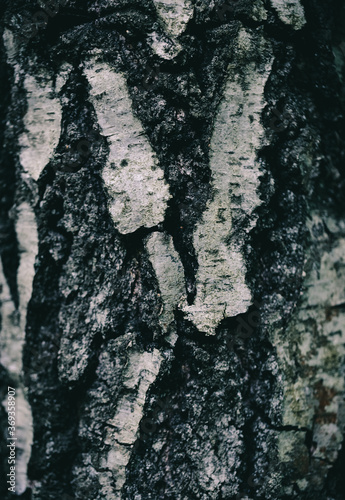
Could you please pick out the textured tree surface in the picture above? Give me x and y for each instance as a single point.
(173, 248)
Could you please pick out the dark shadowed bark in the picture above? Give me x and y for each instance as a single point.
(173, 248)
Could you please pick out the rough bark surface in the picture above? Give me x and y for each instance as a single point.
(173, 248)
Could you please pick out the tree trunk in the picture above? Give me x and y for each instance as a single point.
(173, 249)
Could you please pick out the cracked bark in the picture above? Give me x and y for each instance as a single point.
(175, 170)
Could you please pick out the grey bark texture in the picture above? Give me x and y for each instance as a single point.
(173, 248)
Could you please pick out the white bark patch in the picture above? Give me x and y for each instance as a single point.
(142, 370)
(164, 46)
(175, 14)
(42, 123)
(13, 335)
(10, 45)
(135, 184)
(11, 50)
(237, 137)
(42, 120)
(169, 271)
(290, 12)
(328, 289)
(26, 229)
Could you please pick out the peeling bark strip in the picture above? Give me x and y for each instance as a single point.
(171, 179)
(122, 429)
(13, 335)
(221, 280)
(290, 12)
(169, 272)
(42, 123)
(134, 181)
